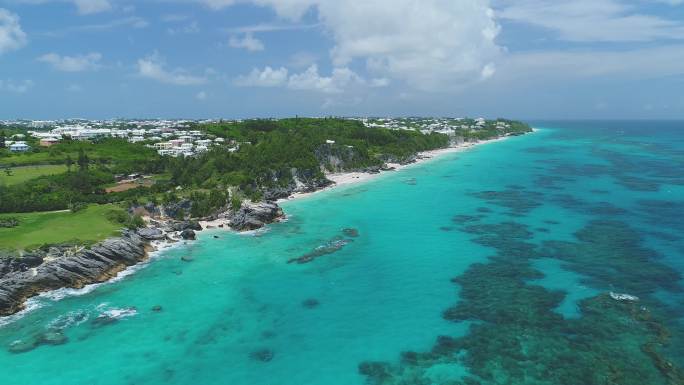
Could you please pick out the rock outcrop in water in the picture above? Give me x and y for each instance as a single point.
(96, 264)
(252, 216)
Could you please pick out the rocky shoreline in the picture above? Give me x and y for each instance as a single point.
(72, 267)
(75, 267)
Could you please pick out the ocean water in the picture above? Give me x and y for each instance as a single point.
(507, 251)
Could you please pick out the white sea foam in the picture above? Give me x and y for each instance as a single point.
(45, 298)
(30, 305)
(119, 313)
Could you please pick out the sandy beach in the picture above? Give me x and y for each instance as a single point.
(347, 178)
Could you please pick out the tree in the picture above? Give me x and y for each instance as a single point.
(69, 162)
(82, 160)
(2, 139)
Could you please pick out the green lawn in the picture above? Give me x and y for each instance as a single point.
(86, 226)
(22, 174)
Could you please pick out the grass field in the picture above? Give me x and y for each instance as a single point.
(22, 174)
(86, 226)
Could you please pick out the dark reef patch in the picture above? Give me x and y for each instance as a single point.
(610, 255)
(663, 213)
(570, 202)
(518, 337)
(461, 219)
(519, 202)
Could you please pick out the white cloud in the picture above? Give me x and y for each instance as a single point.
(12, 37)
(16, 87)
(78, 63)
(592, 20)
(488, 71)
(430, 44)
(201, 95)
(153, 67)
(87, 7)
(310, 80)
(248, 42)
(268, 77)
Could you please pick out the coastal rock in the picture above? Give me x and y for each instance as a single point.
(303, 181)
(252, 216)
(179, 209)
(97, 264)
(10, 264)
(185, 225)
(151, 234)
(188, 235)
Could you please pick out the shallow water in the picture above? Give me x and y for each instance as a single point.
(576, 210)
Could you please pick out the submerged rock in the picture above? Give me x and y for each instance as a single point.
(350, 232)
(330, 247)
(156, 308)
(310, 303)
(263, 355)
(187, 258)
(53, 338)
(22, 346)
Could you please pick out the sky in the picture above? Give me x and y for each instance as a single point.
(527, 59)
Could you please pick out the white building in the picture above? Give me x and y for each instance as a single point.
(19, 147)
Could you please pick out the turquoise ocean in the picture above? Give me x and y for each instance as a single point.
(489, 266)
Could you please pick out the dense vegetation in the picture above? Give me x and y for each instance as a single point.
(265, 154)
(271, 149)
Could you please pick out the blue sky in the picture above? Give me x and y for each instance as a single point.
(273, 58)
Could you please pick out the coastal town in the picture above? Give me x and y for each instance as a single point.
(182, 138)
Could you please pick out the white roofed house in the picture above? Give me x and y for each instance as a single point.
(163, 145)
(19, 147)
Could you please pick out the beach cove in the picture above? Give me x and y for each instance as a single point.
(239, 313)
